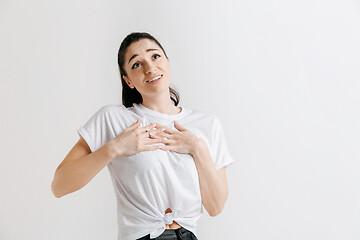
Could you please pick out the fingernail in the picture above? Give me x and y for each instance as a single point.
(163, 129)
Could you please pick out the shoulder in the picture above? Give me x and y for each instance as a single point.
(110, 111)
(204, 118)
(112, 108)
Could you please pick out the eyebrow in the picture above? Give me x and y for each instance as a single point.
(148, 50)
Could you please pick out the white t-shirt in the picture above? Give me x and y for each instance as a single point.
(149, 182)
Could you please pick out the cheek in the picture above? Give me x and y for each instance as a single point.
(133, 74)
(167, 67)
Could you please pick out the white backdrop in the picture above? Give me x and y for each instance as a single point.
(283, 77)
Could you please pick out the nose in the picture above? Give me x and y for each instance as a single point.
(150, 67)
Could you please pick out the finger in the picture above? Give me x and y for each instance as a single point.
(167, 141)
(147, 128)
(151, 148)
(164, 134)
(164, 128)
(150, 127)
(179, 126)
(152, 141)
(151, 134)
(165, 147)
(156, 134)
(135, 125)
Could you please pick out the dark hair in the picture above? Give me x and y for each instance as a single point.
(129, 95)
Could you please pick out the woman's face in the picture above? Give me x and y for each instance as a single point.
(145, 60)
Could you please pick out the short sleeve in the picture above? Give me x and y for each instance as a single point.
(96, 131)
(220, 151)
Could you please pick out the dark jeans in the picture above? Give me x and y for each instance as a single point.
(173, 234)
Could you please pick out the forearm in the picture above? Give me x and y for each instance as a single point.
(74, 175)
(213, 188)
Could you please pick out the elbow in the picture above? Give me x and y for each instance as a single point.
(57, 186)
(59, 190)
(217, 208)
(55, 192)
(216, 212)
(213, 209)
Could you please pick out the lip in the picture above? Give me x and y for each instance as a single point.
(161, 75)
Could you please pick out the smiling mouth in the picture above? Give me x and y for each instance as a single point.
(155, 79)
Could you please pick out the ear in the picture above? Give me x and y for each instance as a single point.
(128, 82)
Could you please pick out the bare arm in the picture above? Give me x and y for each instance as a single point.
(213, 183)
(79, 167)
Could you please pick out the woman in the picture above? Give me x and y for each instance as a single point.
(165, 166)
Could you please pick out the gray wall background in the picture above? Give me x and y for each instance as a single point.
(283, 77)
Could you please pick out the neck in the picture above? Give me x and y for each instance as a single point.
(161, 104)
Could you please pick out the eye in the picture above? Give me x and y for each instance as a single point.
(156, 55)
(133, 66)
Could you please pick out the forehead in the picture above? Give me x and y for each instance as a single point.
(140, 47)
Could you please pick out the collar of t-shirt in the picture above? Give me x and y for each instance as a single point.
(149, 113)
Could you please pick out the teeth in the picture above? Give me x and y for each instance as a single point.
(154, 79)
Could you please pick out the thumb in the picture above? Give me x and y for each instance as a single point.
(178, 126)
(136, 124)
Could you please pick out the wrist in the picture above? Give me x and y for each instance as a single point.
(110, 150)
(198, 146)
